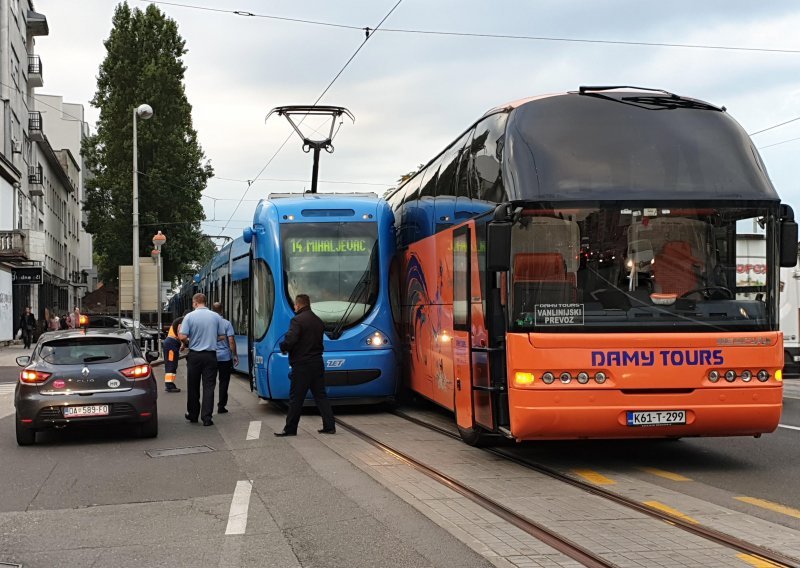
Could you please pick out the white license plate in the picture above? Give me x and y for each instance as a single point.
(656, 417)
(95, 410)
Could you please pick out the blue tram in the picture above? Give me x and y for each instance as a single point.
(338, 249)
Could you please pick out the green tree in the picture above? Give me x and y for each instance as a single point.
(144, 64)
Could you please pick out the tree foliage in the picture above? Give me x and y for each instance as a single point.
(144, 64)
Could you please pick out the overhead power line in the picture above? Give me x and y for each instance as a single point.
(774, 126)
(344, 67)
(343, 182)
(778, 143)
(369, 31)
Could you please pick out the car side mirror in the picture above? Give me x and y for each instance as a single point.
(23, 360)
(151, 356)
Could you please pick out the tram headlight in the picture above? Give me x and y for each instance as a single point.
(565, 377)
(548, 378)
(746, 376)
(583, 377)
(763, 376)
(713, 376)
(600, 377)
(377, 339)
(730, 376)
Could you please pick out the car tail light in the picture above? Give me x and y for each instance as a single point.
(33, 377)
(137, 372)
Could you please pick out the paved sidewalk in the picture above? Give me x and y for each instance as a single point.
(9, 354)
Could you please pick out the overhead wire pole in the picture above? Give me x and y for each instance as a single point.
(368, 35)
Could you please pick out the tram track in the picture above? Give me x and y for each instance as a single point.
(729, 541)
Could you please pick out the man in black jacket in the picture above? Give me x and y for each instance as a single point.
(303, 343)
(27, 323)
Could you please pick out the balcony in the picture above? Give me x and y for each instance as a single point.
(35, 126)
(35, 181)
(35, 71)
(37, 24)
(13, 245)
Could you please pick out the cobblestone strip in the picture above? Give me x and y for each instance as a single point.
(623, 536)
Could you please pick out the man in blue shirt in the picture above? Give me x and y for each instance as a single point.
(202, 328)
(226, 359)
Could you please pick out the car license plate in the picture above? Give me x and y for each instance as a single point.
(656, 417)
(95, 410)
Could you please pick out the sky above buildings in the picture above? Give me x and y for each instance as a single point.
(413, 93)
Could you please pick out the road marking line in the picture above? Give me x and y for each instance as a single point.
(671, 511)
(594, 477)
(665, 474)
(757, 561)
(254, 431)
(237, 517)
(776, 507)
(789, 427)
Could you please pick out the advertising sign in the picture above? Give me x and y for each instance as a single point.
(27, 275)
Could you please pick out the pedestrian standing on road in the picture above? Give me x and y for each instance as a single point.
(172, 348)
(202, 328)
(27, 323)
(226, 359)
(63, 323)
(54, 322)
(303, 343)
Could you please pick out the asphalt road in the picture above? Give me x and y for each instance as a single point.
(94, 498)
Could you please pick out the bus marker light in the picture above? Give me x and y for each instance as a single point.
(778, 375)
(600, 377)
(548, 378)
(730, 376)
(763, 376)
(713, 376)
(522, 378)
(583, 377)
(747, 376)
(565, 377)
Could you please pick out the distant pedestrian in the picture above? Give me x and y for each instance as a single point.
(63, 322)
(303, 343)
(27, 323)
(55, 322)
(172, 348)
(226, 359)
(75, 318)
(202, 328)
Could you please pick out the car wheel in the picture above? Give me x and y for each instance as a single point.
(149, 429)
(25, 436)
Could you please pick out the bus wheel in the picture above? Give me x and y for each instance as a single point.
(475, 437)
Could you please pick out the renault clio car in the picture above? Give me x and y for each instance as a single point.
(85, 377)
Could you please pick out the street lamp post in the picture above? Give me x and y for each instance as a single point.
(144, 111)
(158, 241)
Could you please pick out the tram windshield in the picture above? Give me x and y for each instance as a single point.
(336, 264)
(643, 268)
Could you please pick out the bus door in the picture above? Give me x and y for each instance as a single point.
(473, 390)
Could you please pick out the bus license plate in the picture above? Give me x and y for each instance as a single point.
(95, 410)
(656, 418)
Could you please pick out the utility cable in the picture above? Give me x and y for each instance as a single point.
(363, 43)
(773, 126)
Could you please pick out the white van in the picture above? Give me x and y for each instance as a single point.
(790, 319)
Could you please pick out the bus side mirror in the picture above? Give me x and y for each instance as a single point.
(498, 247)
(788, 244)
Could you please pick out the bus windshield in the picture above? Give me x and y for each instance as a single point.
(336, 264)
(643, 268)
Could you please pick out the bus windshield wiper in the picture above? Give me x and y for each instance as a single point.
(356, 295)
(670, 102)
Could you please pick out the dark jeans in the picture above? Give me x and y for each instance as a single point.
(306, 376)
(27, 335)
(224, 369)
(201, 367)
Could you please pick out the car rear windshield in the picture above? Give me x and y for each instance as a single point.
(80, 350)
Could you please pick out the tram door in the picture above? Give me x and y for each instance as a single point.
(473, 399)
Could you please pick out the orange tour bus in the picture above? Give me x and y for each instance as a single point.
(567, 269)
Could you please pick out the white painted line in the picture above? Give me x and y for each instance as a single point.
(789, 427)
(237, 517)
(254, 431)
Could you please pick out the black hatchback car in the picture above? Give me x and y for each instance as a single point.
(90, 377)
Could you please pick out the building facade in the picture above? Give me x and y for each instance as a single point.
(42, 261)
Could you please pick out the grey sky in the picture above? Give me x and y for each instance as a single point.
(412, 94)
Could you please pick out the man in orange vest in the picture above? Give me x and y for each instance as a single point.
(172, 348)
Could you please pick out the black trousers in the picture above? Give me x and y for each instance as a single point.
(27, 334)
(201, 368)
(303, 377)
(224, 369)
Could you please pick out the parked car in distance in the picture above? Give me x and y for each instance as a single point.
(113, 322)
(85, 376)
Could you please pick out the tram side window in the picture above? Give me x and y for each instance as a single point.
(407, 226)
(263, 298)
(487, 151)
(396, 203)
(240, 295)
